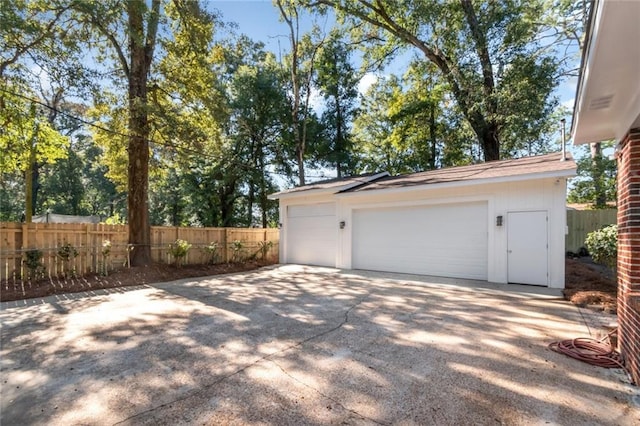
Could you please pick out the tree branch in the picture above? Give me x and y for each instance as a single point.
(114, 42)
(21, 50)
(480, 41)
(152, 32)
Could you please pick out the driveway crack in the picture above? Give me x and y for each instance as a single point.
(324, 395)
(246, 367)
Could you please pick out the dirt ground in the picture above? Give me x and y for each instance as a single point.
(587, 284)
(18, 289)
(590, 285)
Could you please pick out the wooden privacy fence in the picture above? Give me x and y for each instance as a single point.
(101, 247)
(581, 222)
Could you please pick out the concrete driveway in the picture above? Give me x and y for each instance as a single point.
(303, 345)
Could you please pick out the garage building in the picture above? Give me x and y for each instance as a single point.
(501, 221)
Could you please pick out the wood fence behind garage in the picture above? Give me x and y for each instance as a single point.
(89, 240)
(581, 222)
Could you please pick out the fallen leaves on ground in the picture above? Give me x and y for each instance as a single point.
(590, 285)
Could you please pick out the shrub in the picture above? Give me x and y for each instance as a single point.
(33, 262)
(236, 248)
(67, 253)
(264, 246)
(106, 250)
(212, 251)
(179, 249)
(603, 245)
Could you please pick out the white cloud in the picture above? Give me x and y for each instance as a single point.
(368, 80)
(316, 101)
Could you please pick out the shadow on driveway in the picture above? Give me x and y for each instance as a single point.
(303, 345)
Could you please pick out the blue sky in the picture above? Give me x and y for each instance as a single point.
(259, 19)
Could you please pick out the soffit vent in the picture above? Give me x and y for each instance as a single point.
(602, 102)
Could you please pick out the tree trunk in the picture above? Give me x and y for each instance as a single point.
(226, 205)
(35, 185)
(251, 196)
(141, 53)
(340, 145)
(263, 192)
(490, 142)
(600, 197)
(28, 191)
(433, 137)
(300, 161)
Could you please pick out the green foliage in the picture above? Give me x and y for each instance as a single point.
(264, 247)
(66, 252)
(33, 262)
(596, 180)
(603, 245)
(390, 137)
(338, 82)
(212, 251)
(27, 137)
(179, 249)
(227, 122)
(116, 219)
(11, 203)
(488, 55)
(237, 251)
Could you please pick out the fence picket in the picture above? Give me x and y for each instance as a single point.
(87, 239)
(581, 222)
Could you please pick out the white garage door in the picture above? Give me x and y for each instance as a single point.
(311, 234)
(448, 240)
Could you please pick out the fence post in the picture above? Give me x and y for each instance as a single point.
(225, 241)
(25, 243)
(88, 265)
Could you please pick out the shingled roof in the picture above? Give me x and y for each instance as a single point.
(333, 185)
(540, 164)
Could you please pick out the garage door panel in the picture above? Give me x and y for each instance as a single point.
(311, 234)
(443, 240)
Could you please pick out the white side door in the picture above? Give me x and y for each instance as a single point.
(527, 248)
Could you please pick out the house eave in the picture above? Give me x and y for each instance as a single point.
(607, 101)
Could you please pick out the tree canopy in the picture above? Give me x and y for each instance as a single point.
(161, 112)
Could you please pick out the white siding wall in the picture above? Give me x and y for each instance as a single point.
(542, 194)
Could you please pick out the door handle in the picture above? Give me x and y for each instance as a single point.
(509, 251)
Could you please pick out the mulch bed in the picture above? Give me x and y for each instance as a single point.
(18, 289)
(590, 285)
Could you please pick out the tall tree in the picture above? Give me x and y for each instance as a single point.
(483, 49)
(134, 55)
(27, 140)
(381, 142)
(259, 109)
(338, 83)
(302, 67)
